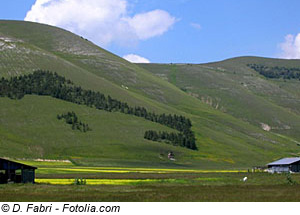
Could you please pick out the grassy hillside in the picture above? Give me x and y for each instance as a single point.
(232, 87)
(29, 128)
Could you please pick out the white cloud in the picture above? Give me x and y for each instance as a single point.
(102, 21)
(291, 47)
(135, 58)
(196, 25)
(150, 24)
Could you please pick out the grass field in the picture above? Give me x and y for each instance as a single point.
(150, 192)
(55, 181)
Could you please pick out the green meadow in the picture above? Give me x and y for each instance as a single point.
(149, 184)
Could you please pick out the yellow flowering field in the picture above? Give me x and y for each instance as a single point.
(126, 170)
(107, 181)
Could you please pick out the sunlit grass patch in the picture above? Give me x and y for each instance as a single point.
(65, 167)
(46, 163)
(90, 170)
(46, 170)
(108, 181)
(165, 170)
(209, 179)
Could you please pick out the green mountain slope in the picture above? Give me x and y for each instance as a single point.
(232, 87)
(29, 128)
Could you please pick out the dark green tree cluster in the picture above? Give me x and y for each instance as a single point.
(176, 139)
(276, 72)
(51, 84)
(72, 119)
(39, 83)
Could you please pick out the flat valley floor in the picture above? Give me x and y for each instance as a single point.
(67, 182)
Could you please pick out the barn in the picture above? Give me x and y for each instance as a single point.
(14, 172)
(285, 165)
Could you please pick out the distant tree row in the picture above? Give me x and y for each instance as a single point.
(51, 84)
(276, 72)
(176, 139)
(72, 119)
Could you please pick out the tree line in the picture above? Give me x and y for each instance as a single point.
(72, 119)
(51, 84)
(276, 72)
(177, 139)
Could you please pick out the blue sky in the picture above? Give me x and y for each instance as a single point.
(185, 31)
